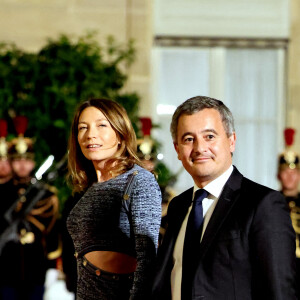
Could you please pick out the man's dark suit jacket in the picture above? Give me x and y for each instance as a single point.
(247, 251)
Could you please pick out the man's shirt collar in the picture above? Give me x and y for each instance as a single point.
(215, 187)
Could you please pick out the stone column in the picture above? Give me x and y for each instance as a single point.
(293, 81)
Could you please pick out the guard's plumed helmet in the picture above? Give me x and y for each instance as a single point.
(4, 145)
(21, 147)
(289, 158)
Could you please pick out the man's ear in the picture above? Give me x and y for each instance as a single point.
(176, 149)
(232, 141)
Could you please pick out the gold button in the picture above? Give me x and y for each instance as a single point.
(126, 197)
(292, 204)
(21, 191)
(98, 272)
(84, 263)
(76, 254)
(23, 199)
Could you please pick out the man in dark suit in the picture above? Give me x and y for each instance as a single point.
(245, 246)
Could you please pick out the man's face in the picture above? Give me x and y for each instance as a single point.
(5, 168)
(22, 167)
(203, 146)
(289, 178)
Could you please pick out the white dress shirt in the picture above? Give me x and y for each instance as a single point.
(214, 189)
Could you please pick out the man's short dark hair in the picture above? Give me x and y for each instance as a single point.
(198, 103)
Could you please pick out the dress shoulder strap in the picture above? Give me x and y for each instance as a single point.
(128, 189)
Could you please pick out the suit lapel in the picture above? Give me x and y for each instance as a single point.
(227, 199)
(178, 215)
(184, 202)
(177, 212)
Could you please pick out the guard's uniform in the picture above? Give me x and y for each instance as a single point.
(289, 176)
(25, 258)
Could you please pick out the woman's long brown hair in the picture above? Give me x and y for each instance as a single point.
(81, 172)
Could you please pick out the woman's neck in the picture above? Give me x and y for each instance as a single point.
(103, 176)
(103, 171)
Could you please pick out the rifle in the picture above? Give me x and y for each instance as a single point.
(35, 192)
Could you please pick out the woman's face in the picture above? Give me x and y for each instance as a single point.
(97, 139)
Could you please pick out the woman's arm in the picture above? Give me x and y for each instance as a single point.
(146, 219)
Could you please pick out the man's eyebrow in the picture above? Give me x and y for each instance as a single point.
(208, 130)
(185, 134)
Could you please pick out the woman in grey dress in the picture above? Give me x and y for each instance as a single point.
(115, 225)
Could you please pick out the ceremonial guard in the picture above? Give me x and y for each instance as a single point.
(5, 168)
(289, 177)
(28, 241)
(6, 182)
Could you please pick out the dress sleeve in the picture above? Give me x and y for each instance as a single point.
(146, 219)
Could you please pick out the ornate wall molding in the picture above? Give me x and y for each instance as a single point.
(192, 41)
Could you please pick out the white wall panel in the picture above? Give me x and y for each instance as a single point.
(222, 18)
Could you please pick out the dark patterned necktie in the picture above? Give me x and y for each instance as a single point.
(192, 240)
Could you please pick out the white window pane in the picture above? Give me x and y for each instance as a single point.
(180, 73)
(251, 81)
(251, 84)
